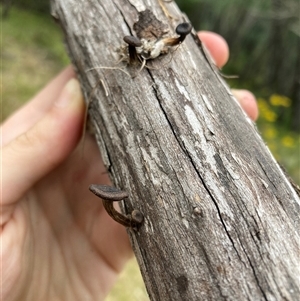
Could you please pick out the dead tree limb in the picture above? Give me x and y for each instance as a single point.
(221, 219)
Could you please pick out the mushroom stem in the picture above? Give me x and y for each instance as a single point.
(132, 42)
(110, 194)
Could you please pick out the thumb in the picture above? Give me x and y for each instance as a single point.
(33, 154)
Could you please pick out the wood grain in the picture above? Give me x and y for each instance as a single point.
(221, 220)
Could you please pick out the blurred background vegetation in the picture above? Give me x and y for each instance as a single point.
(264, 41)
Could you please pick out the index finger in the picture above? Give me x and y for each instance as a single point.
(28, 115)
(216, 45)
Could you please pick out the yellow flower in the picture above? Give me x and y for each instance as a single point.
(270, 116)
(262, 104)
(270, 133)
(280, 100)
(288, 141)
(266, 111)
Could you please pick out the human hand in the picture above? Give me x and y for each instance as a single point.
(57, 241)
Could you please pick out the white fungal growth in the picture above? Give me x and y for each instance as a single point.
(151, 49)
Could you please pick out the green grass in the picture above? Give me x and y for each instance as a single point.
(130, 286)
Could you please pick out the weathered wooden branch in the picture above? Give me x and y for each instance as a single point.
(221, 220)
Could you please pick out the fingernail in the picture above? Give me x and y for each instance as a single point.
(70, 93)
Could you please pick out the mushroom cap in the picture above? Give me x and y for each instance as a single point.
(183, 29)
(108, 193)
(132, 41)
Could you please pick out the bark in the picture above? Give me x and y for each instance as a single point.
(221, 219)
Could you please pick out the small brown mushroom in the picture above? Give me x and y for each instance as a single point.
(110, 194)
(183, 29)
(132, 42)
